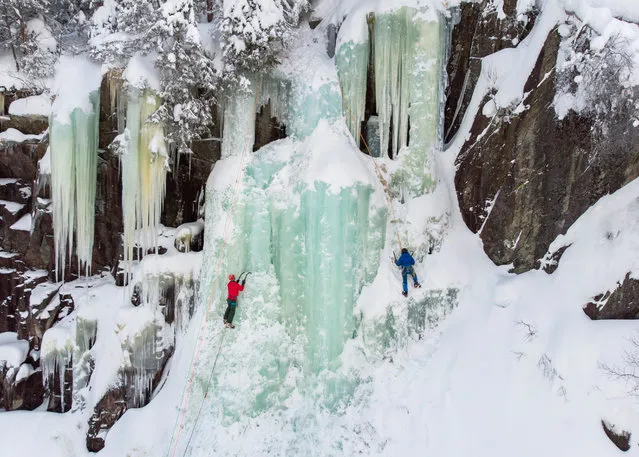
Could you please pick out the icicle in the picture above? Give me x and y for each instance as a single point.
(144, 167)
(394, 37)
(351, 60)
(73, 143)
(239, 125)
(56, 356)
(275, 91)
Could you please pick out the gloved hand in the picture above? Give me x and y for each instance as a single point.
(242, 283)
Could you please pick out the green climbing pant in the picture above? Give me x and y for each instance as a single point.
(230, 311)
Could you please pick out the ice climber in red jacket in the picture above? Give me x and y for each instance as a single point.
(234, 287)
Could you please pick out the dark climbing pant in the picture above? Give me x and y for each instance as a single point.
(406, 271)
(230, 311)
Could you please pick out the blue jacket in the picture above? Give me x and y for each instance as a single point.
(405, 260)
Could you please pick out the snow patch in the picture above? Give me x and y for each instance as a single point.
(35, 105)
(13, 351)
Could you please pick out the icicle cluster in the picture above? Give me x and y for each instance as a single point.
(86, 329)
(144, 167)
(239, 124)
(351, 60)
(73, 143)
(275, 91)
(394, 39)
(56, 357)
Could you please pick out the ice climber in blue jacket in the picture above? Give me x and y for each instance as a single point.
(406, 263)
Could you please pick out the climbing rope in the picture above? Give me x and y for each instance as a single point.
(380, 176)
(206, 392)
(188, 387)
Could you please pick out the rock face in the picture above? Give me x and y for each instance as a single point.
(479, 33)
(620, 439)
(30, 303)
(621, 303)
(532, 173)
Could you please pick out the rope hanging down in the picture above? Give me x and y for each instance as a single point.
(186, 392)
(206, 392)
(380, 176)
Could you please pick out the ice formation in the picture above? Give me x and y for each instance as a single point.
(407, 60)
(56, 358)
(73, 143)
(144, 168)
(239, 123)
(321, 242)
(275, 91)
(86, 329)
(352, 59)
(140, 336)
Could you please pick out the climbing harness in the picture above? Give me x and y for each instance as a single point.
(186, 392)
(380, 176)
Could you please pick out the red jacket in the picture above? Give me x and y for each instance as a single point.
(234, 289)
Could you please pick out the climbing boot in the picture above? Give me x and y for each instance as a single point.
(405, 294)
(417, 285)
(229, 325)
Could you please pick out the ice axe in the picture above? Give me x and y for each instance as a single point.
(243, 281)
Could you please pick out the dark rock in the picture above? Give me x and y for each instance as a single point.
(620, 439)
(27, 394)
(29, 125)
(479, 33)
(541, 173)
(110, 91)
(551, 265)
(60, 396)
(185, 184)
(331, 38)
(108, 214)
(108, 410)
(267, 128)
(620, 303)
(18, 160)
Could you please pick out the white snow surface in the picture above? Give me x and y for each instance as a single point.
(12, 350)
(76, 77)
(16, 136)
(12, 207)
(23, 224)
(10, 77)
(141, 72)
(37, 104)
(41, 33)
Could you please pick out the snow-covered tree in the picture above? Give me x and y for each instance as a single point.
(121, 28)
(188, 77)
(14, 17)
(255, 31)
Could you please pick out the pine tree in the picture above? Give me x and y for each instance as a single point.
(188, 77)
(255, 31)
(121, 28)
